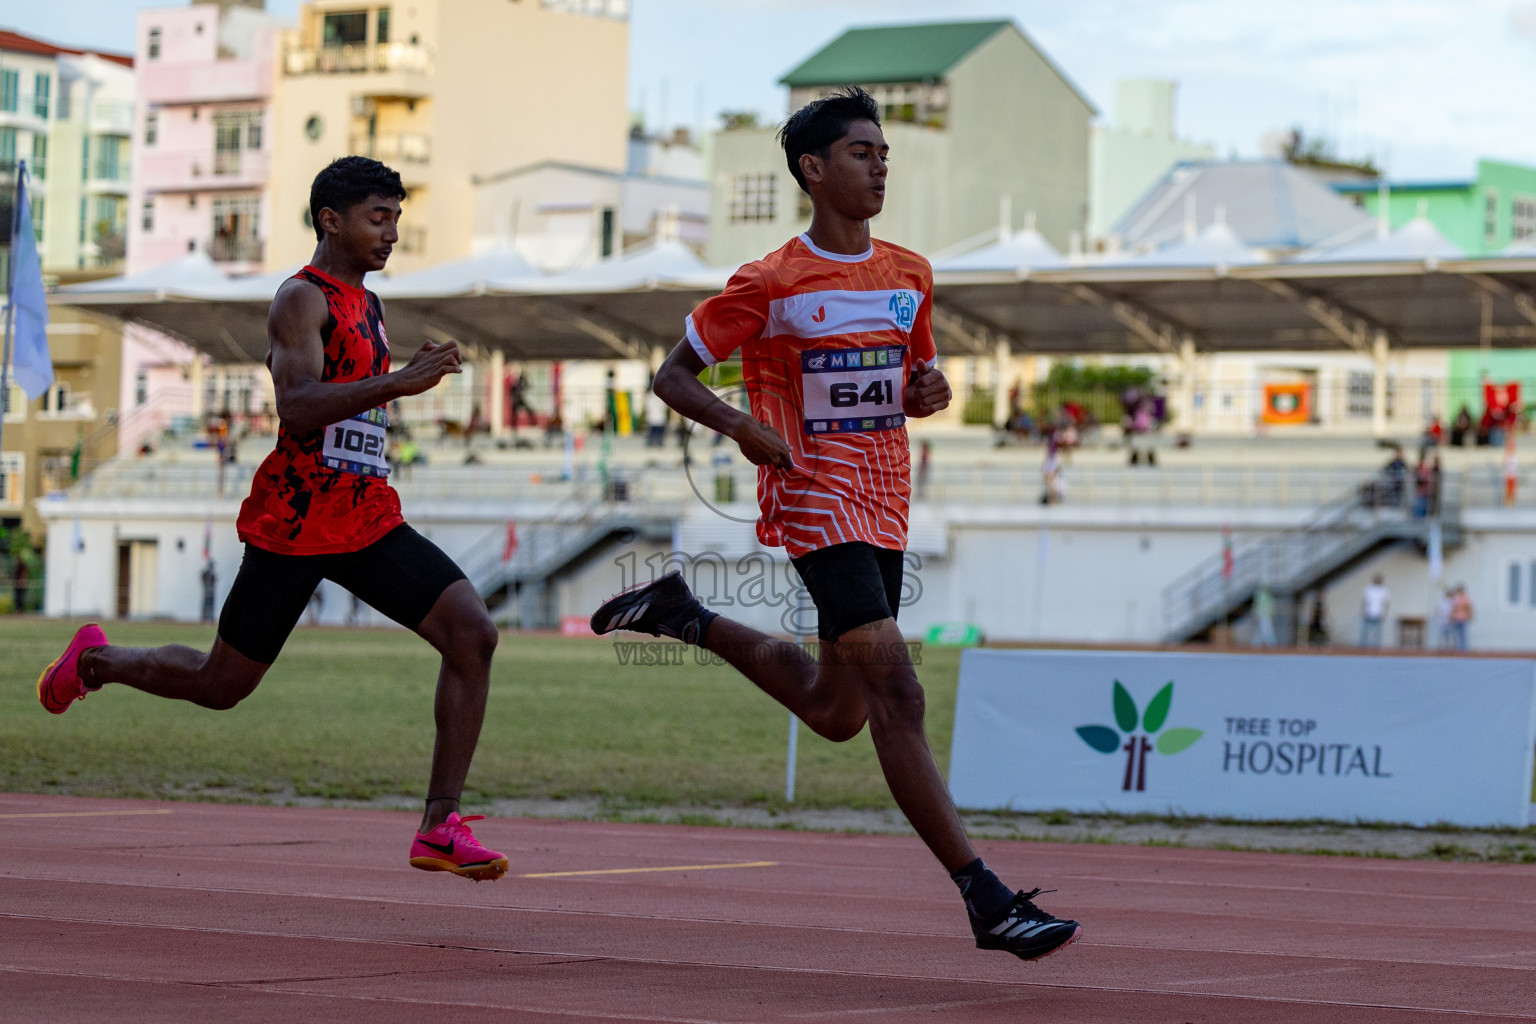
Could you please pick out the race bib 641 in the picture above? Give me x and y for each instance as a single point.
(852, 390)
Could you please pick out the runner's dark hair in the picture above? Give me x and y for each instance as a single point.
(814, 127)
(349, 181)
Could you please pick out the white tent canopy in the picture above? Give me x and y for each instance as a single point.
(474, 276)
(1418, 239)
(193, 270)
(1020, 252)
(1216, 246)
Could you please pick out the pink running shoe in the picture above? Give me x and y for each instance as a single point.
(453, 847)
(60, 685)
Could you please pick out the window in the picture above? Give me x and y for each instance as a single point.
(753, 198)
(607, 242)
(151, 127)
(109, 163)
(235, 234)
(56, 398)
(10, 90)
(147, 215)
(1533, 581)
(154, 44)
(1525, 217)
(40, 157)
(41, 86)
(7, 150)
(140, 387)
(345, 29)
(37, 218)
(1491, 215)
(1359, 402)
(1513, 593)
(381, 34)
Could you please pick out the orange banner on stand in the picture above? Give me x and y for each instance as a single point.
(1287, 404)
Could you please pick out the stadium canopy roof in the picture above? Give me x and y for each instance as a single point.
(626, 308)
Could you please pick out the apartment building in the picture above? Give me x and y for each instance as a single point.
(68, 113)
(448, 92)
(978, 118)
(202, 159)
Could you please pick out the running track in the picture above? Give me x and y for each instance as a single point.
(135, 912)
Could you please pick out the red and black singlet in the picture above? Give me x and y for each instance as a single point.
(301, 501)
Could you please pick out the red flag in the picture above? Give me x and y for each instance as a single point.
(511, 546)
(1226, 553)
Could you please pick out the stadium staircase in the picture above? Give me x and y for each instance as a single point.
(1335, 538)
(520, 588)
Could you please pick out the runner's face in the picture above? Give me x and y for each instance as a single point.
(852, 177)
(368, 231)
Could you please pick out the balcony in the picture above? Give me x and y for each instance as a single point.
(110, 117)
(235, 249)
(200, 170)
(394, 147)
(208, 81)
(358, 58)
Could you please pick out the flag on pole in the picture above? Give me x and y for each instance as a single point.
(207, 538)
(29, 304)
(510, 547)
(1228, 563)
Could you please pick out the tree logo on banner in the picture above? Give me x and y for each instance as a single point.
(1138, 745)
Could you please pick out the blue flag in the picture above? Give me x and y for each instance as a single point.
(29, 305)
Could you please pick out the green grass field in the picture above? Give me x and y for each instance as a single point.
(347, 714)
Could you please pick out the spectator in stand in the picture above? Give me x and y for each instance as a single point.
(1461, 615)
(210, 586)
(1394, 478)
(1434, 487)
(1434, 434)
(1461, 426)
(1445, 635)
(1317, 624)
(1373, 611)
(1423, 483)
(1264, 618)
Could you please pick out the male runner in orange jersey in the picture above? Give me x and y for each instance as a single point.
(837, 350)
(321, 508)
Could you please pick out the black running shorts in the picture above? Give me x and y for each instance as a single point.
(402, 574)
(852, 585)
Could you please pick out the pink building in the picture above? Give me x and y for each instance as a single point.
(201, 156)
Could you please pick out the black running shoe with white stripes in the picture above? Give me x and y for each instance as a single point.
(663, 607)
(1025, 930)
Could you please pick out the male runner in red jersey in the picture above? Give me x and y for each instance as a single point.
(837, 350)
(321, 508)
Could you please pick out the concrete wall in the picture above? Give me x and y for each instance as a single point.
(1016, 127)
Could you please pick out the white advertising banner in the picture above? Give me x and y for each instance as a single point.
(1412, 740)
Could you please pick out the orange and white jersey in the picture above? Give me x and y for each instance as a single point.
(828, 342)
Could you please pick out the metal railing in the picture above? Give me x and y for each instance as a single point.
(235, 249)
(358, 58)
(1380, 508)
(394, 147)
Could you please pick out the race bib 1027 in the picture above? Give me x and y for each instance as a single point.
(357, 445)
(852, 390)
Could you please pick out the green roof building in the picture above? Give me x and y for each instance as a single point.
(980, 121)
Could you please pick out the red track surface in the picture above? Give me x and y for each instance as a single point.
(220, 913)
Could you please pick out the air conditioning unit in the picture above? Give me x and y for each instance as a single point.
(363, 106)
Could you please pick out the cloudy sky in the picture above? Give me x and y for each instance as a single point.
(1427, 86)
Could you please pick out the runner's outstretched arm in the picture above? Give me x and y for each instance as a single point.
(677, 383)
(297, 361)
